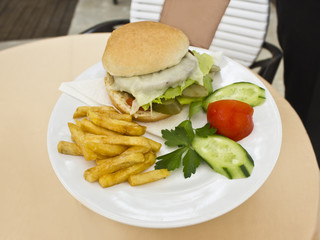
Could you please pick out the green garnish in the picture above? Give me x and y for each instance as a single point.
(205, 131)
(194, 108)
(182, 137)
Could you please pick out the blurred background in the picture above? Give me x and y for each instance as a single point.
(23, 21)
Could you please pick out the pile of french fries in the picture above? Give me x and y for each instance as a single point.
(117, 145)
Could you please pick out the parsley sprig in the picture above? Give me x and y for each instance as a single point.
(182, 137)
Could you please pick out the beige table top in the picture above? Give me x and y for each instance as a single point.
(35, 205)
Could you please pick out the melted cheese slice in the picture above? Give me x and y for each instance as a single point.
(147, 87)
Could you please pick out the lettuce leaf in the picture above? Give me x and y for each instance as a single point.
(207, 82)
(171, 93)
(177, 91)
(205, 64)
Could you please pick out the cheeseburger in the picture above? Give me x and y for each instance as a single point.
(150, 71)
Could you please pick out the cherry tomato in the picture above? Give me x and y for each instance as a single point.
(231, 118)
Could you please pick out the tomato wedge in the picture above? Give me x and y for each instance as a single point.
(129, 101)
(231, 118)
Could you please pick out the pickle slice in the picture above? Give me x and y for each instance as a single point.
(170, 106)
(195, 91)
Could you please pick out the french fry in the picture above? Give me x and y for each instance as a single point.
(119, 116)
(78, 123)
(78, 136)
(155, 146)
(120, 126)
(112, 165)
(113, 115)
(119, 140)
(106, 150)
(138, 149)
(88, 126)
(83, 110)
(69, 148)
(122, 175)
(135, 149)
(147, 177)
(115, 142)
(150, 158)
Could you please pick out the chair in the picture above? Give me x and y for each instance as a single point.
(240, 35)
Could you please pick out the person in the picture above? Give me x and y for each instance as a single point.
(299, 37)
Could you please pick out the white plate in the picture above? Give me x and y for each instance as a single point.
(175, 201)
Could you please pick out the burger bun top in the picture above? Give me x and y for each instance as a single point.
(143, 47)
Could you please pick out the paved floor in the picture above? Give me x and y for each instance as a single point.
(31, 19)
(91, 12)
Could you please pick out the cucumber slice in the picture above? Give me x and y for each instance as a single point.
(224, 155)
(242, 91)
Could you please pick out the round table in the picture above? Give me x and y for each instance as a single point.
(35, 205)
